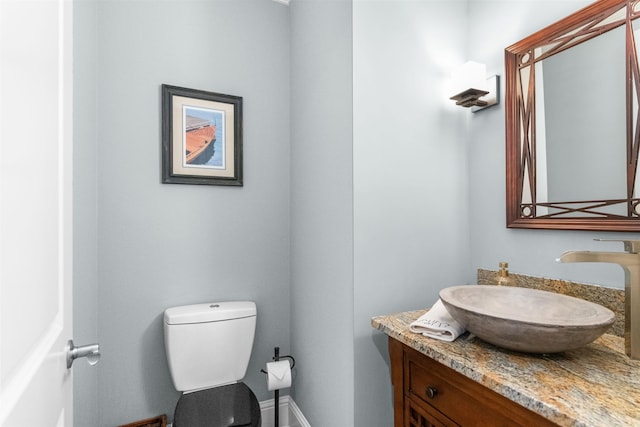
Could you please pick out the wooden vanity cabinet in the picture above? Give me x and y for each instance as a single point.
(429, 394)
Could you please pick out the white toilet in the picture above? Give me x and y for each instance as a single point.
(208, 348)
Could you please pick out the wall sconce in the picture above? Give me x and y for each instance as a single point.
(474, 88)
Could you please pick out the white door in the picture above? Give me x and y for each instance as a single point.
(35, 212)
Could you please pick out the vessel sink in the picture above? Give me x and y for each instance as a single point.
(526, 320)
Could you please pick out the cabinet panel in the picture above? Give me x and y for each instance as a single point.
(418, 415)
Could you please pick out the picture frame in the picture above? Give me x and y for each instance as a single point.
(201, 137)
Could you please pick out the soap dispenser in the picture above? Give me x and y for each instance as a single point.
(503, 274)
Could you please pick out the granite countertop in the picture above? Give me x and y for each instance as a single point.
(597, 385)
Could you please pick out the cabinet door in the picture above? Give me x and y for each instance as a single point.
(417, 415)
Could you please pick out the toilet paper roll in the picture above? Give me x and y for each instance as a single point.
(278, 375)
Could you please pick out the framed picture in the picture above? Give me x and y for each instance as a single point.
(201, 137)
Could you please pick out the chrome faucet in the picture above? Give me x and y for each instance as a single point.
(630, 263)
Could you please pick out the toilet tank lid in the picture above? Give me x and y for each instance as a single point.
(209, 312)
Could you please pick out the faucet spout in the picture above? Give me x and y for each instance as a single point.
(630, 263)
(621, 258)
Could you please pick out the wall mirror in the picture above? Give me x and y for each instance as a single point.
(572, 134)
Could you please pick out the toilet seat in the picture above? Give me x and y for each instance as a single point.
(232, 405)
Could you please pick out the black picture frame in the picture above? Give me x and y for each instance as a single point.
(201, 137)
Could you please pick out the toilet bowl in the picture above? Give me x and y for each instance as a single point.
(208, 348)
(229, 405)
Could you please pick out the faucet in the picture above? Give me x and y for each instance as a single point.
(630, 263)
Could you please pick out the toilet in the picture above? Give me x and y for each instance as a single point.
(208, 349)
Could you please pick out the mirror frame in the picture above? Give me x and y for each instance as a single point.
(520, 119)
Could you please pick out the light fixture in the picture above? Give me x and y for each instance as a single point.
(473, 88)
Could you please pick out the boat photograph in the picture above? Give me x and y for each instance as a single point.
(199, 139)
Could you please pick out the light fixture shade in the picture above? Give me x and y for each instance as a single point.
(471, 75)
(472, 88)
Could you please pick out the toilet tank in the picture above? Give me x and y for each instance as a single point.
(209, 345)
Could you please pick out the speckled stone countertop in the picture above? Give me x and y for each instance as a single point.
(597, 385)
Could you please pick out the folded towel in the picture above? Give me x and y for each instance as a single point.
(437, 323)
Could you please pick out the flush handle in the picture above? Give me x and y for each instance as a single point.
(91, 352)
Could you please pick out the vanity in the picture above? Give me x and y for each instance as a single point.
(472, 383)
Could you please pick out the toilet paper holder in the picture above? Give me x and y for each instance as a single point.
(277, 357)
(276, 393)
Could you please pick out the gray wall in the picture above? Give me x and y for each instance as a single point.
(410, 213)
(166, 245)
(85, 212)
(321, 210)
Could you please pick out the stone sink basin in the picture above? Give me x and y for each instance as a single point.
(526, 320)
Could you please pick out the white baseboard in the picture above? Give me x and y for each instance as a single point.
(289, 415)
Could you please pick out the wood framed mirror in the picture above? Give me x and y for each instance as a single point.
(572, 134)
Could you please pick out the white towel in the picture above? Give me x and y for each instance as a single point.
(437, 323)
